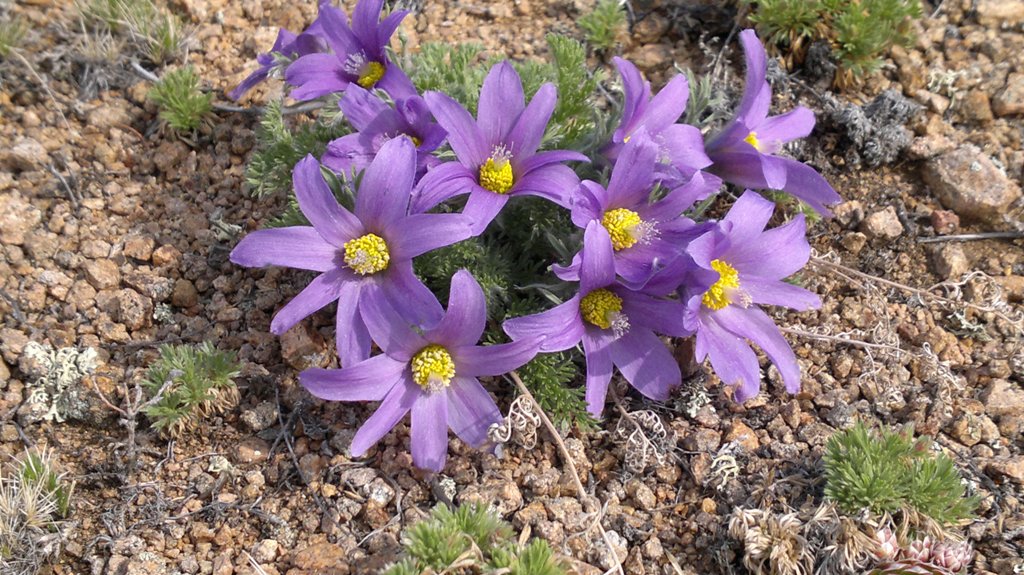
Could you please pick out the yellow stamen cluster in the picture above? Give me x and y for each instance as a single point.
(621, 225)
(433, 368)
(496, 176)
(753, 141)
(372, 74)
(600, 307)
(415, 140)
(367, 254)
(717, 296)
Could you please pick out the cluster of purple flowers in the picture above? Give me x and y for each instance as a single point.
(645, 271)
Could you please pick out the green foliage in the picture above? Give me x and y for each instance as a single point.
(887, 471)
(604, 25)
(201, 384)
(706, 105)
(860, 31)
(280, 147)
(159, 35)
(455, 69)
(12, 32)
(37, 470)
(182, 103)
(549, 376)
(471, 539)
(34, 501)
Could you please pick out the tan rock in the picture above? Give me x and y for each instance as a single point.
(967, 182)
(102, 274)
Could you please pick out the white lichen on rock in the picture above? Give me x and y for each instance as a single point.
(54, 393)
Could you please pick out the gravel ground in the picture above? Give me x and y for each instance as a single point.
(114, 235)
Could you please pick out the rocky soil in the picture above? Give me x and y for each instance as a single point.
(115, 234)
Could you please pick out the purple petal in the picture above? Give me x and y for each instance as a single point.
(298, 247)
(396, 83)
(333, 222)
(803, 182)
(554, 183)
(667, 105)
(429, 431)
(775, 254)
(541, 159)
(442, 183)
(334, 25)
(364, 23)
(597, 269)
(388, 329)
(661, 315)
(638, 264)
(497, 359)
(410, 298)
(731, 358)
(755, 325)
(463, 133)
(361, 107)
(528, 131)
(471, 411)
(466, 317)
(315, 75)
(678, 200)
(324, 289)
(249, 82)
(777, 130)
(393, 408)
(368, 380)
(420, 233)
(748, 216)
(646, 363)
(684, 146)
(501, 103)
(588, 203)
(352, 339)
(481, 207)
(599, 368)
(388, 26)
(757, 94)
(386, 187)
(561, 326)
(774, 292)
(636, 92)
(633, 174)
(348, 153)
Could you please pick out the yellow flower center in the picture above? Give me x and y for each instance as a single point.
(753, 141)
(622, 226)
(626, 139)
(496, 176)
(367, 254)
(372, 73)
(601, 307)
(433, 368)
(415, 141)
(717, 296)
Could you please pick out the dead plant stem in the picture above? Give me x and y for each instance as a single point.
(584, 496)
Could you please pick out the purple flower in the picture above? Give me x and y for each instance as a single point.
(287, 46)
(497, 153)
(433, 375)
(744, 152)
(738, 264)
(645, 237)
(617, 327)
(377, 123)
(363, 257)
(358, 56)
(681, 145)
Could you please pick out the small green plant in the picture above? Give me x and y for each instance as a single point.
(604, 26)
(191, 383)
(183, 105)
(158, 34)
(471, 539)
(886, 471)
(12, 32)
(859, 31)
(34, 501)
